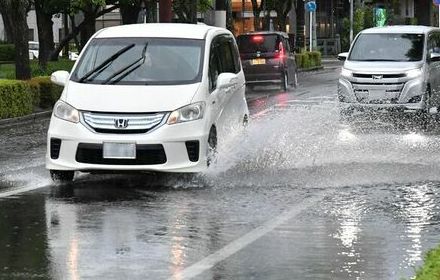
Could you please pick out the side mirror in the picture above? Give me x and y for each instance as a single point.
(343, 56)
(434, 57)
(225, 80)
(59, 78)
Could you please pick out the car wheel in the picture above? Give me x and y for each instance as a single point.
(345, 114)
(211, 153)
(424, 115)
(285, 82)
(61, 176)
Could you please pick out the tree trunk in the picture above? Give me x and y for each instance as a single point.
(45, 34)
(9, 34)
(89, 28)
(77, 29)
(130, 13)
(15, 12)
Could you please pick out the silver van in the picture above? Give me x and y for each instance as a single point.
(395, 67)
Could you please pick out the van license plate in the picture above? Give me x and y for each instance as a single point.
(258, 61)
(119, 150)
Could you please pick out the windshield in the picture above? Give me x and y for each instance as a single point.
(134, 61)
(388, 47)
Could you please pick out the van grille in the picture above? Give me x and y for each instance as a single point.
(122, 123)
(382, 76)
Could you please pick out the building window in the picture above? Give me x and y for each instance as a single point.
(31, 34)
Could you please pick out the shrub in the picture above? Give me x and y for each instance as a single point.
(15, 99)
(48, 93)
(7, 52)
(308, 60)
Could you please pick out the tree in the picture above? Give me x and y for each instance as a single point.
(186, 10)
(15, 14)
(282, 7)
(256, 10)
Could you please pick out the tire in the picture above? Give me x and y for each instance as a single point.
(345, 115)
(61, 176)
(424, 117)
(285, 81)
(211, 153)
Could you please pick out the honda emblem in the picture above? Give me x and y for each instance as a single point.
(121, 123)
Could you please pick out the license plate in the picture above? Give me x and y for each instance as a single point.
(258, 61)
(119, 150)
(377, 94)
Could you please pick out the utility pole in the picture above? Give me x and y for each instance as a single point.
(220, 13)
(351, 20)
(165, 12)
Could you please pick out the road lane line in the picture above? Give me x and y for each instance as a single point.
(244, 241)
(20, 191)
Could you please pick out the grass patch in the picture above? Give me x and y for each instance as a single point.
(7, 71)
(431, 268)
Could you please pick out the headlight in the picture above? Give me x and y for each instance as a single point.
(411, 74)
(188, 113)
(66, 112)
(346, 73)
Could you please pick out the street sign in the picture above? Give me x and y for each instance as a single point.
(436, 2)
(311, 6)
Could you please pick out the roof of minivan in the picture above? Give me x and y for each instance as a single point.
(415, 29)
(158, 30)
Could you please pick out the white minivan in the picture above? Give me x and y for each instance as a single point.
(147, 97)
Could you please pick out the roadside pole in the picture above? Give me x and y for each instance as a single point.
(351, 21)
(311, 8)
(437, 3)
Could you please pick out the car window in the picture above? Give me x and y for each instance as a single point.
(236, 56)
(434, 43)
(258, 43)
(226, 57)
(214, 66)
(388, 47)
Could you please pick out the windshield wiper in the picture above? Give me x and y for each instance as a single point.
(106, 63)
(133, 67)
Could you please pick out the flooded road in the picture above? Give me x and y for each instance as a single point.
(299, 195)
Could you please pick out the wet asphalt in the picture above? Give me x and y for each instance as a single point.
(299, 195)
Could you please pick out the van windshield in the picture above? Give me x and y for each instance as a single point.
(141, 61)
(388, 47)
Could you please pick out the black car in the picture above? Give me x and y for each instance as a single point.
(268, 58)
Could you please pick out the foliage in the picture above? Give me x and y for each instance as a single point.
(431, 267)
(7, 52)
(363, 18)
(184, 8)
(7, 71)
(48, 93)
(15, 99)
(307, 60)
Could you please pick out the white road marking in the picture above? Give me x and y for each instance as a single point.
(244, 241)
(21, 190)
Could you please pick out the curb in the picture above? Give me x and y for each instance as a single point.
(21, 120)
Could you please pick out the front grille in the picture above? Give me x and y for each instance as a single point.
(55, 147)
(383, 76)
(122, 123)
(145, 155)
(193, 147)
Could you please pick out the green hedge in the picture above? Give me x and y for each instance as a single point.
(7, 52)
(7, 71)
(45, 93)
(431, 267)
(308, 60)
(15, 99)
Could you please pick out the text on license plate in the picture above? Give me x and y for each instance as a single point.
(119, 150)
(257, 61)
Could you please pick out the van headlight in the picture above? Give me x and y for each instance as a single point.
(64, 111)
(188, 113)
(346, 73)
(414, 73)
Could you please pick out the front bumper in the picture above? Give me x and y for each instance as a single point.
(173, 138)
(405, 99)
